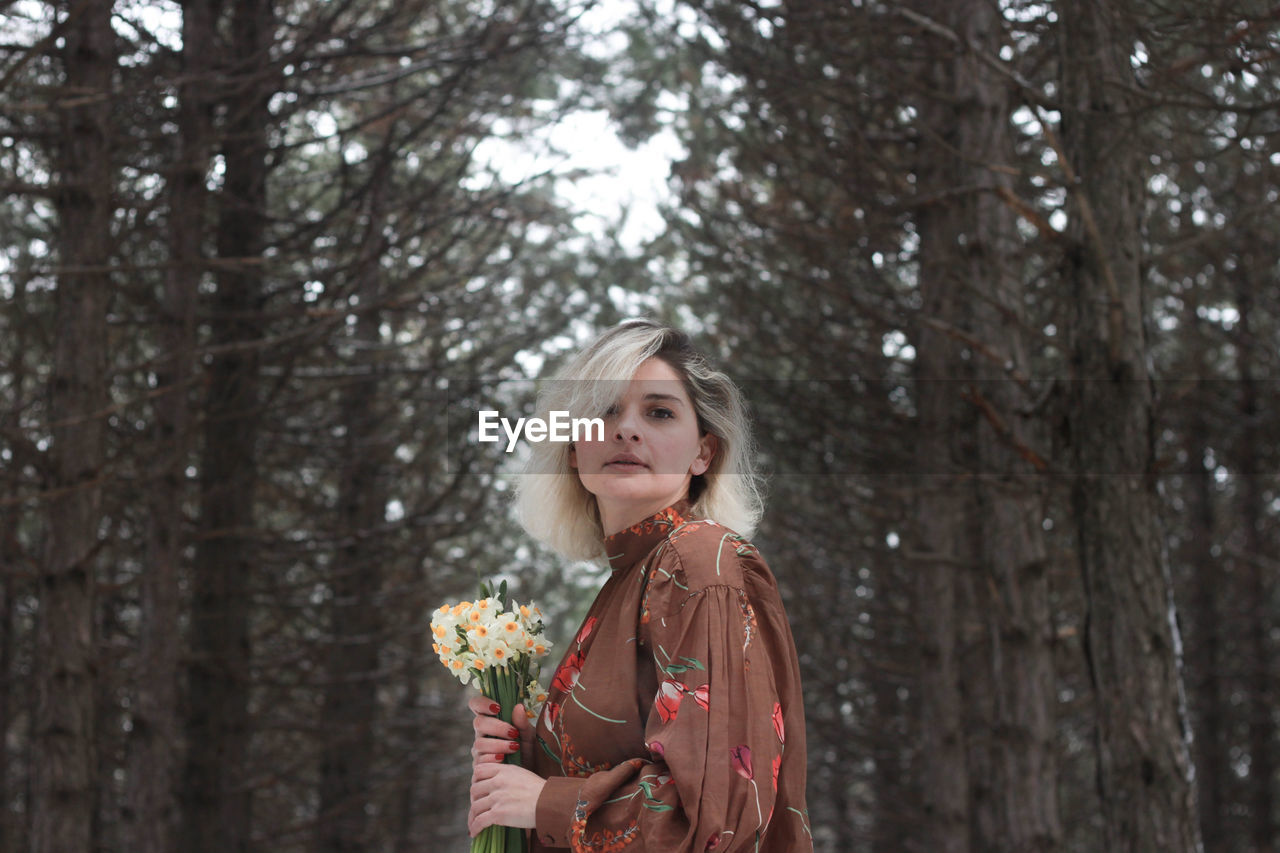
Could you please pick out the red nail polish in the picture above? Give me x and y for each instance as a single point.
(513, 733)
(513, 746)
(495, 708)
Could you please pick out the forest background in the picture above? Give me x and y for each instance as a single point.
(998, 278)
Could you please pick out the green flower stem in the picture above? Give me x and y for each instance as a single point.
(504, 685)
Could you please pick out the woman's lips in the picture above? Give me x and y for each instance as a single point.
(626, 466)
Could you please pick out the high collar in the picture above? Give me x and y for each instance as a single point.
(627, 547)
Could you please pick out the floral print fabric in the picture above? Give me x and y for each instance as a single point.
(675, 722)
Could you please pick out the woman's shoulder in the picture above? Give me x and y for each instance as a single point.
(704, 553)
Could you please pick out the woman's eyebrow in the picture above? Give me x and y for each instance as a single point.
(664, 397)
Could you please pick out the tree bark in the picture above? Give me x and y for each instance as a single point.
(351, 701)
(11, 555)
(1205, 658)
(8, 639)
(64, 763)
(216, 797)
(1264, 833)
(155, 733)
(1132, 648)
(1015, 804)
(975, 345)
(409, 801)
(942, 554)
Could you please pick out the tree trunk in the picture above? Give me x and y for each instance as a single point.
(9, 831)
(1204, 656)
(997, 590)
(216, 797)
(942, 554)
(350, 708)
(1255, 592)
(1015, 804)
(63, 763)
(1132, 648)
(893, 791)
(351, 700)
(11, 554)
(63, 759)
(406, 822)
(9, 834)
(939, 511)
(155, 734)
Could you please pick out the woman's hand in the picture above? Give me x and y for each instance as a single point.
(495, 740)
(505, 795)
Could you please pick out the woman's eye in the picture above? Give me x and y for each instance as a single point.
(662, 413)
(611, 411)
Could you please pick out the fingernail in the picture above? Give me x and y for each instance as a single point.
(513, 746)
(495, 708)
(513, 733)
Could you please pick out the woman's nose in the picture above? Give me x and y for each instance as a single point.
(626, 426)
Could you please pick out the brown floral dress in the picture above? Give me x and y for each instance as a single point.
(675, 721)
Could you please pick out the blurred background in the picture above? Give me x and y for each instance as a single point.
(998, 278)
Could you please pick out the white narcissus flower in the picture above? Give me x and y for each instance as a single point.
(512, 630)
(461, 670)
(499, 654)
(472, 637)
(534, 698)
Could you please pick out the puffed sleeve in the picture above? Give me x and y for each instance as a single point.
(714, 733)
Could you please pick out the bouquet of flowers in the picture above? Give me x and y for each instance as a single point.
(495, 644)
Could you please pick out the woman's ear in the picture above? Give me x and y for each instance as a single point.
(707, 446)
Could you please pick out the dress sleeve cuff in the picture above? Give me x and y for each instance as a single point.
(556, 805)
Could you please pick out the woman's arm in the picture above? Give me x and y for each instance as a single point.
(714, 733)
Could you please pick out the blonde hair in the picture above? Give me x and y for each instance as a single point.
(551, 502)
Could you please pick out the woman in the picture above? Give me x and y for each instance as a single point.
(674, 722)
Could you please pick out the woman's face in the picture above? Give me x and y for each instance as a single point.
(650, 452)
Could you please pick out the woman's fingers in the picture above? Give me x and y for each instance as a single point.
(493, 727)
(524, 730)
(478, 757)
(486, 721)
(481, 774)
(521, 718)
(492, 735)
(504, 795)
(492, 750)
(481, 784)
(485, 809)
(494, 739)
